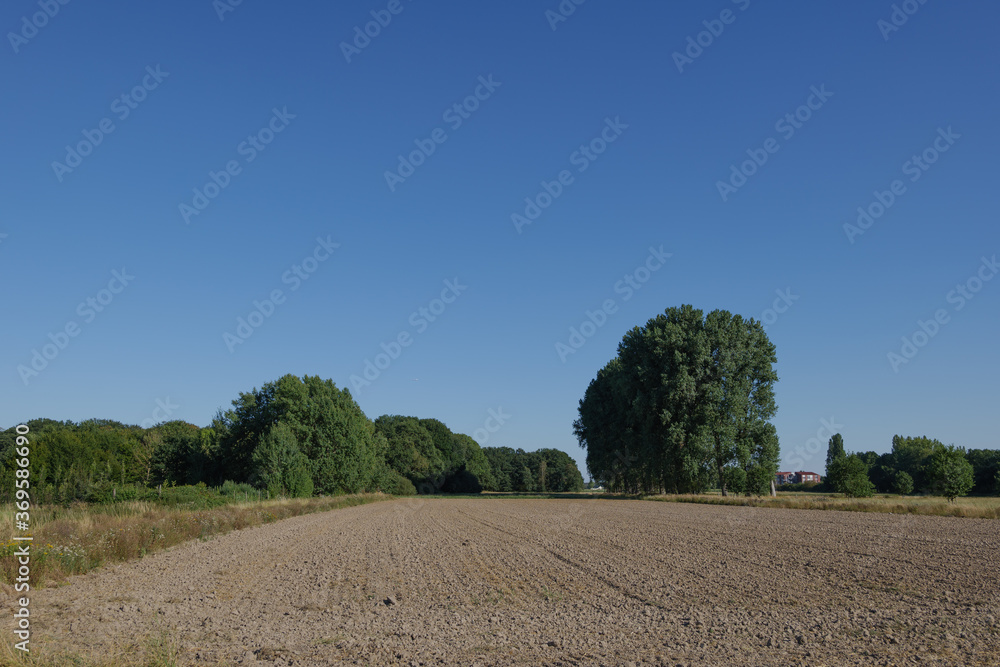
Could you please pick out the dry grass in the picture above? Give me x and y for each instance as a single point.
(77, 539)
(152, 651)
(979, 508)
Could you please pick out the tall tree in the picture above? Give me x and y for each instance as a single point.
(687, 401)
(834, 451)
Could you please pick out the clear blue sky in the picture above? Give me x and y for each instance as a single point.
(552, 91)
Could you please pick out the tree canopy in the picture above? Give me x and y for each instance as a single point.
(291, 437)
(685, 404)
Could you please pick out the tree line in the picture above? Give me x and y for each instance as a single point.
(292, 437)
(683, 407)
(918, 465)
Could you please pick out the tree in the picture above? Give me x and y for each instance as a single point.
(849, 475)
(279, 466)
(834, 451)
(985, 466)
(903, 483)
(410, 448)
(687, 398)
(502, 462)
(525, 482)
(911, 455)
(328, 426)
(949, 473)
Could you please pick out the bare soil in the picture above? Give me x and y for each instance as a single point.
(554, 582)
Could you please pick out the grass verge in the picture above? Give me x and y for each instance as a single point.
(157, 650)
(77, 539)
(979, 508)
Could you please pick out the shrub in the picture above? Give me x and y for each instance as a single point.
(108, 492)
(396, 485)
(233, 490)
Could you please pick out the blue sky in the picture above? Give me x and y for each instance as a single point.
(272, 82)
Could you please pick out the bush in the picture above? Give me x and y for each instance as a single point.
(804, 486)
(396, 485)
(232, 489)
(107, 492)
(197, 496)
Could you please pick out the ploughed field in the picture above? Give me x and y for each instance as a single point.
(553, 582)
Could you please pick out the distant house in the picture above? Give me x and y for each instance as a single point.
(784, 478)
(800, 477)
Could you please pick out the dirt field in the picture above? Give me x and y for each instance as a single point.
(554, 582)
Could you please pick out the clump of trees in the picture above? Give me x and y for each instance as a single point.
(292, 437)
(431, 457)
(547, 470)
(915, 465)
(684, 406)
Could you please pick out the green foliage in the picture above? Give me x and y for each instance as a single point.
(462, 481)
(395, 484)
(849, 475)
(985, 470)
(903, 484)
(279, 466)
(410, 449)
(325, 423)
(949, 473)
(503, 465)
(688, 398)
(835, 451)
(547, 470)
(911, 455)
(433, 458)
